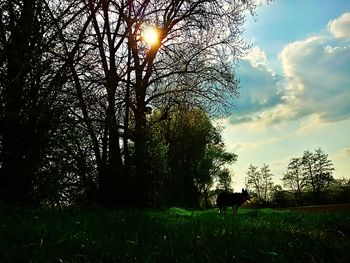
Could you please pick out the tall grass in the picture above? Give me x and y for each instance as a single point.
(171, 235)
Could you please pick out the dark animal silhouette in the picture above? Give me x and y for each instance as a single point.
(231, 199)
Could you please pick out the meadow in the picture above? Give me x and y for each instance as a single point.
(172, 235)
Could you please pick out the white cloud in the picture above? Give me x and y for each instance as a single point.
(258, 59)
(296, 52)
(261, 89)
(340, 27)
(316, 84)
(317, 79)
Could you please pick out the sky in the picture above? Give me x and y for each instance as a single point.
(295, 88)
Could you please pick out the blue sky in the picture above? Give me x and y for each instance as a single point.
(295, 93)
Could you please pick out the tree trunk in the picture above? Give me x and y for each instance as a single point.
(141, 157)
(111, 182)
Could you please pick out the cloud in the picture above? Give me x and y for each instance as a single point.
(315, 83)
(258, 59)
(317, 79)
(261, 87)
(340, 27)
(247, 146)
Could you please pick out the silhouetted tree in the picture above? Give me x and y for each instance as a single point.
(195, 151)
(260, 181)
(192, 62)
(225, 179)
(293, 179)
(340, 191)
(32, 101)
(277, 194)
(71, 65)
(317, 171)
(267, 183)
(254, 181)
(220, 173)
(216, 159)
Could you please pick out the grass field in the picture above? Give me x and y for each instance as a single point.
(172, 235)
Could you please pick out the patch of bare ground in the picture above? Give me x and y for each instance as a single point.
(320, 208)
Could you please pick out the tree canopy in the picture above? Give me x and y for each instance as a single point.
(81, 90)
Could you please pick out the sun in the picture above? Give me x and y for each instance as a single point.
(151, 36)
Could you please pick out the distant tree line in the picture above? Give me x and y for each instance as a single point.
(308, 180)
(89, 112)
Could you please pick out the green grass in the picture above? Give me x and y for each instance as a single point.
(171, 235)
